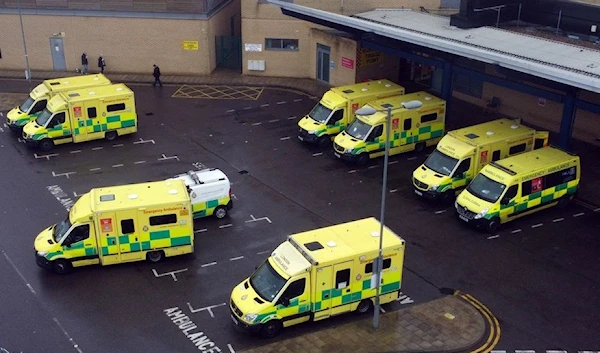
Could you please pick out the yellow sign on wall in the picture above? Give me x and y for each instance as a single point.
(190, 45)
(368, 57)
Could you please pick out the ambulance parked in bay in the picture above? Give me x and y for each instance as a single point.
(336, 109)
(210, 191)
(517, 186)
(418, 121)
(83, 115)
(461, 154)
(318, 274)
(37, 100)
(120, 224)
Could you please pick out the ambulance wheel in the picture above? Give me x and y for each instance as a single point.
(46, 145)
(155, 256)
(220, 212)
(419, 147)
(364, 306)
(110, 135)
(62, 266)
(493, 225)
(324, 141)
(271, 329)
(362, 159)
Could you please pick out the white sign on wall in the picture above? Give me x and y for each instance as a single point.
(253, 47)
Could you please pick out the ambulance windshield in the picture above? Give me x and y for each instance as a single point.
(60, 230)
(320, 113)
(266, 281)
(43, 118)
(358, 129)
(441, 163)
(27, 104)
(486, 188)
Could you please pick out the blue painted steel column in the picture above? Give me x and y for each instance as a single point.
(568, 119)
(447, 85)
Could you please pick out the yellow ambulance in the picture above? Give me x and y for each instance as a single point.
(517, 186)
(336, 109)
(17, 117)
(119, 224)
(417, 122)
(83, 115)
(318, 274)
(462, 153)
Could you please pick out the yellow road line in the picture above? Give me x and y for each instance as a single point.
(495, 331)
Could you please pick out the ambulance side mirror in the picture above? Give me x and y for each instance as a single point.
(284, 301)
(505, 201)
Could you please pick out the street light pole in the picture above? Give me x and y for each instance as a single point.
(27, 71)
(379, 267)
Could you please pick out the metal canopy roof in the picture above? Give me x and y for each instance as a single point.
(568, 64)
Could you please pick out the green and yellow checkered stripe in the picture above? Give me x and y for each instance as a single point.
(401, 138)
(204, 209)
(157, 240)
(112, 122)
(456, 183)
(539, 198)
(76, 250)
(334, 129)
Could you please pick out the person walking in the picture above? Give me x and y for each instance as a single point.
(101, 63)
(156, 75)
(84, 63)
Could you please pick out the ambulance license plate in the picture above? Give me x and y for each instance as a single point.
(463, 218)
(418, 193)
(235, 320)
(300, 138)
(337, 155)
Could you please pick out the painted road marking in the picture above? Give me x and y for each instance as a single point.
(411, 158)
(274, 120)
(118, 165)
(19, 273)
(118, 145)
(393, 190)
(263, 252)
(352, 171)
(164, 158)
(63, 174)
(230, 111)
(61, 196)
(225, 226)
(20, 140)
(139, 162)
(392, 162)
(524, 351)
(209, 264)
(144, 141)
(256, 124)
(200, 230)
(236, 258)
(75, 345)
(264, 105)
(172, 273)
(76, 151)
(579, 214)
(207, 308)
(230, 348)
(516, 231)
(246, 108)
(494, 236)
(317, 154)
(95, 169)
(97, 148)
(404, 299)
(372, 166)
(187, 327)
(47, 156)
(298, 100)
(440, 211)
(558, 220)
(254, 219)
(537, 225)
(285, 138)
(292, 118)
(282, 102)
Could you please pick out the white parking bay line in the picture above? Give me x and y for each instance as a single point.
(94, 169)
(139, 162)
(411, 158)
(236, 258)
(537, 225)
(285, 138)
(516, 231)
(97, 148)
(298, 100)
(393, 162)
(230, 348)
(558, 220)
(76, 151)
(292, 118)
(274, 120)
(494, 236)
(317, 154)
(264, 105)
(209, 264)
(579, 214)
(118, 165)
(225, 226)
(282, 102)
(200, 230)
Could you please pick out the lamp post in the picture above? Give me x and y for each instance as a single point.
(379, 262)
(27, 71)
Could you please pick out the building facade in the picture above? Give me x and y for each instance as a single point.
(131, 35)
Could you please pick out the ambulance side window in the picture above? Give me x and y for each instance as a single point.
(496, 155)
(78, 234)
(164, 219)
(342, 279)
(428, 117)
(387, 263)
(127, 226)
(39, 106)
(337, 116)
(463, 167)
(517, 149)
(115, 107)
(57, 119)
(92, 112)
(295, 289)
(510, 194)
(407, 124)
(375, 133)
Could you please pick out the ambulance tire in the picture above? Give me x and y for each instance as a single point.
(364, 306)
(362, 159)
(270, 329)
(324, 141)
(155, 256)
(110, 135)
(220, 212)
(493, 225)
(46, 145)
(62, 266)
(419, 147)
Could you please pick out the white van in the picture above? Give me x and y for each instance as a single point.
(210, 192)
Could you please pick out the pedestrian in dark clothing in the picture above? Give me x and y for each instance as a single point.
(101, 63)
(156, 75)
(84, 63)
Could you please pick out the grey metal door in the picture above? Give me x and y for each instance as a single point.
(323, 57)
(58, 54)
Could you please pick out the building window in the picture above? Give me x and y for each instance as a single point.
(468, 85)
(281, 44)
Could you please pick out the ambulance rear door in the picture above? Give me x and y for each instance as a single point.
(129, 240)
(108, 238)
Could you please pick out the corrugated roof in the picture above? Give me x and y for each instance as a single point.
(569, 64)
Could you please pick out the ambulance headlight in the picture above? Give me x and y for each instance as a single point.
(250, 317)
(42, 253)
(434, 187)
(481, 214)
